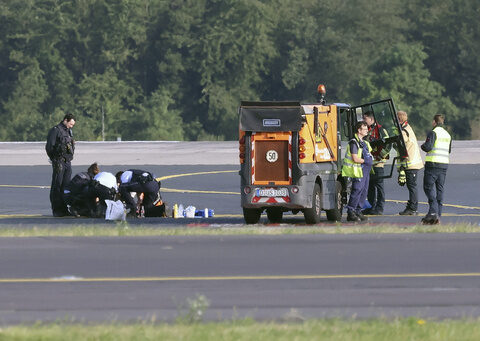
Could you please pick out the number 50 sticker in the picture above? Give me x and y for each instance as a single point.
(272, 156)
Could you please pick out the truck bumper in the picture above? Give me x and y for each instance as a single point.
(298, 197)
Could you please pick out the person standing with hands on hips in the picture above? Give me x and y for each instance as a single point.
(438, 146)
(60, 148)
(357, 164)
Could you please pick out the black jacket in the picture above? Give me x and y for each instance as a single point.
(141, 176)
(60, 144)
(79, 182)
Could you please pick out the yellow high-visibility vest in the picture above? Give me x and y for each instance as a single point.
(440, 151)
(350, 168)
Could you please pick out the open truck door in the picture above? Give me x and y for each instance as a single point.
(385, 115)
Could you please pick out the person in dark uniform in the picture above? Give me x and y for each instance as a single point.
(147, 188)
(380, 152)
(78, 194)
(60, 148)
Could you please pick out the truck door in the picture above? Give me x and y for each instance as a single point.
(385, 115)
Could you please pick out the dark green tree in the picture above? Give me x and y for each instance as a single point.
(231, 54)
(103, 103)
(22, 110)
(154, 119)
(399, 72)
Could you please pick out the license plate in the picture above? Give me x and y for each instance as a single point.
(272, 192)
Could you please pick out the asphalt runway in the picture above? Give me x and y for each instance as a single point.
(24, 195)
(263, 277)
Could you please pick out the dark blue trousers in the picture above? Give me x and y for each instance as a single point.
(149, 189)
(376, 191)
(358, 195)
(433, 181)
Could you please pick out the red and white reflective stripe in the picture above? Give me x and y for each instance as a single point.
(276, 200)
(290, 158)
(253, 157)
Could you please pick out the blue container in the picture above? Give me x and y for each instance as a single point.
(201, 213)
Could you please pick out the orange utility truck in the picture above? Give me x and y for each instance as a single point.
(291, 155)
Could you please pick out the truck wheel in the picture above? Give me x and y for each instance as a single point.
(275, 214)
(336, 213)
(312, 215)
(251, 215)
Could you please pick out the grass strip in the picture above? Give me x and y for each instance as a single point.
(326, 329)
(124, 229)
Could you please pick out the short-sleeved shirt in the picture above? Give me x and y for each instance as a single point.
(365, 152)
(126, 177)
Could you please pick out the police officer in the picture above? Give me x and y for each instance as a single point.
(409, 167)
(357, 165)
(148, 192)
(60, 148)
(438, 146)
(78, 194)
(380, 152)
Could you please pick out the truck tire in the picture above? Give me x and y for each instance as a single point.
(275, 214)
(312, 215)
(336, 213)
(251, 215)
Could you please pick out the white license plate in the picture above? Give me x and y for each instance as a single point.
(272, 192)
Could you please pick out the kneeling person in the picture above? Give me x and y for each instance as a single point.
(148, 192)
(77, 194)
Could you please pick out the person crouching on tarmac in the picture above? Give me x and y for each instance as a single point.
(104, 188)
(148, 193)
(357, 164)
(77, 194)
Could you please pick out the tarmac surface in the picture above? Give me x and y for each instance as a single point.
(166, 153)
(290, 277)
(265, 277)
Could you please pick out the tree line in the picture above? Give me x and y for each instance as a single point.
(178, 69)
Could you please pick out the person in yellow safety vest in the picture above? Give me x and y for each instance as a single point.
(438, 146)
(408, 168)
(357, 165)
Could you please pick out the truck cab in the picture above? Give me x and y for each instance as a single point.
(291, 155)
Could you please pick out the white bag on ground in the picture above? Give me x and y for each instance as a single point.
(115, 210)
(190, 212)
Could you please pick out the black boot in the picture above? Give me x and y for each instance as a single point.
(430, 219)
(351, 216)
(361, 216)
(408, 211)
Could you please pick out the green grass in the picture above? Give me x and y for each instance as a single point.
(123, 229)
(328, 329)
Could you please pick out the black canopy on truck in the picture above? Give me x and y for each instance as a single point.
(270, 116)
